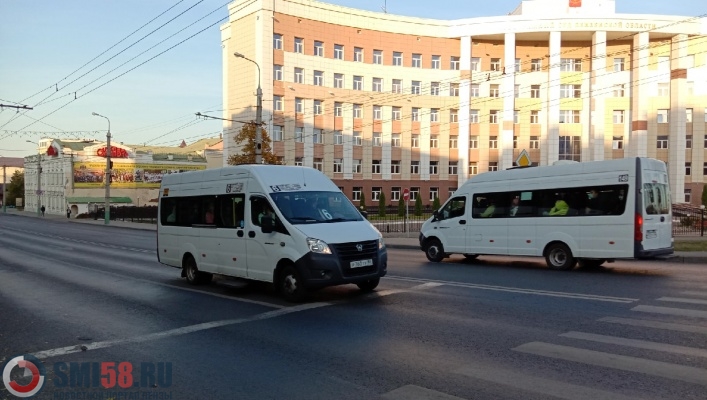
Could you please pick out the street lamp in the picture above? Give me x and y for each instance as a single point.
(258, 114)
(107, 205)
(39, 179)
(4, 188)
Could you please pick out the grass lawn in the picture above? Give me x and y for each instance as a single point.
(685, 245)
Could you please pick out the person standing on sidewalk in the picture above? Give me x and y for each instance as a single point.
(42, 209)
(68, 212)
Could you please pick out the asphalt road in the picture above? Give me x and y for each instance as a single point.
(492, 329)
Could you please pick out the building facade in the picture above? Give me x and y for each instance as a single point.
(382, 102)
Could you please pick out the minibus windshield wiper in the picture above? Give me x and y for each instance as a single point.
(341, 220)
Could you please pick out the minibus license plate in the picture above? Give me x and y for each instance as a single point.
(361, 263)
(652, 234)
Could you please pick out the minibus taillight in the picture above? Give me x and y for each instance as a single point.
(638, 228)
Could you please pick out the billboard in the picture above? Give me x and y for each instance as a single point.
(127, 175)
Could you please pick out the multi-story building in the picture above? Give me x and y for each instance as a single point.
(383, 102)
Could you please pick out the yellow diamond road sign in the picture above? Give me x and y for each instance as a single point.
(523, 159)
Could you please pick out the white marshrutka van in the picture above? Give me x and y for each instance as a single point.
(291, 226)
(591, 212)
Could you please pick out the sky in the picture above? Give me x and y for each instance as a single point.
(67, 59)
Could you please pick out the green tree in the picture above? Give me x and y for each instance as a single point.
(418, 205)
(401, 207)
(381, 205)
(362, 203)
(15, 188)
(435, 203)
(246, 140)
(704, 195)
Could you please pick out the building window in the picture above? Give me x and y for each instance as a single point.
(358, 110)
(415, 88)
(377, 139)
(453, 115)
(473, 168)
(299, 134)
(415, 115)
(414, 192)
(356, 194)
(453, 167)
(688, 141)
(434, 141)
(358, 83)
(473, 142)
(298, 162)
(516, 116)
(356, 166)
(704, 168)
(415, 167)
(317, 136)
(299, 45)
(663, 89)
(395, 167)
(339, 81)
(571, 91)
(474, 116)
(417, 60)
(357, 138)
(377, 84)
(319, 164)
(434, 115)
(662, 116)
(618, 91)
(358, 54)
(375, 193)
(376, 167)
(337, 109)
(570, 148)
(688, 195)
(618, 143)
(516, 65)
(569, 116)
(397, 85)
(662, 142)
(475, 90)
(493, 142)
(571, 64)
(493, 165)
(454, 89)
(277, 133)
(397, 113)
(415, 141)
(277, 72)
(434, 167)
(277, 103)
(536, 64)
(395, 193)
(318, 48)
(377, 56)
(451, 191)
(534, 116)
(688, 168)
(534, 142)
(436, 62)
(494, 91)
(318, 78)
(397, 58)
(338, 138)
(453, 140)
(395, 140)
(277, 41)
(434, 193)
(619, 116)
(618, 64)
(299, 75)
(515, 142)
(475, 64)
(434, 89)
(339, 51)
(454, 63)
(318, 107)
(377, 112)
(534, 91)
(493, 117)
(299, 105)
(495, 64)
(688, 115)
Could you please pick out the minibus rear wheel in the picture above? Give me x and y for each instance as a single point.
(434, 250)
(192, 273)
(559, 257)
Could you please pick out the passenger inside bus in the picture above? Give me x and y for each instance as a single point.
(595, 203)
(560, 208)
(490, 210)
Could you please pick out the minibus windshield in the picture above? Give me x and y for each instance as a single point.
(315, 207)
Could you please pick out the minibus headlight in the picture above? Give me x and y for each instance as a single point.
(381, 243)
(318, 246)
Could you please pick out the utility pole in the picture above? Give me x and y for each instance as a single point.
(258, 115)
(108, 171)
(4, 188)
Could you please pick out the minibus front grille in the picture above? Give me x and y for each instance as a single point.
(347, 252)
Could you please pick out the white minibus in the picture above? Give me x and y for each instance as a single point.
(591, 212)
(287, 225)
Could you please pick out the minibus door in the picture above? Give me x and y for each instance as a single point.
(451, 225)
(261, 248)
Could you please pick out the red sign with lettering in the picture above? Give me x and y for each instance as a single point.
(575, 3)
(51, 151)
(115, 152)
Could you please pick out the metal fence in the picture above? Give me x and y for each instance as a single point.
(129, 213)
(689, 220)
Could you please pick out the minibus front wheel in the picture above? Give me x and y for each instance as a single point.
(434, 250)
(369, 285)
(291, 285)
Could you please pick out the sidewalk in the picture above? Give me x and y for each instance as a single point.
(392, 240)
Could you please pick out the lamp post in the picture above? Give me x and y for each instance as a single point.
(107, 175)
(39, 179)
(258, 114)
(4, 188)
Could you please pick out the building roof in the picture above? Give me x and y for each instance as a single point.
(14, 162)
(77, 145)
(86, 200)
(197, 146)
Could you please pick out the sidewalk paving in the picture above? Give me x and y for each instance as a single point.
(392, 240)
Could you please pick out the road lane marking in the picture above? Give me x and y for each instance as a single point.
(639, 344)
(537, 292)
(694, 293)
(683, 300)
(615, 361)
(656, 324)
(413, 392)
(671, 311)
(535, 384)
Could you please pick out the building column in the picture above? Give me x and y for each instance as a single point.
(598, 92)
(508, 81)
(308, 156)
(676, 139)
(347, 132)
(551, 140)
(387, 150)
(464, 110)
(640, 56)
(425, 131)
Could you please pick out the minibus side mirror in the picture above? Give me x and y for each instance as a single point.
(267, 224)
(364, 213)
(435, 215)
